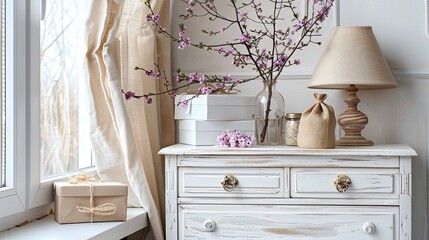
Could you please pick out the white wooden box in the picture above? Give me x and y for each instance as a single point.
(216, 107)
(204, 133)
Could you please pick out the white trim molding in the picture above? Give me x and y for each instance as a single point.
(337, 17)
(335, 10)
(306, 75)
(427, 18)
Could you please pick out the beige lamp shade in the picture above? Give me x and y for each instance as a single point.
(352, 56)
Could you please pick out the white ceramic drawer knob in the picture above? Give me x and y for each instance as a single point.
(368, 227)
(210, 225)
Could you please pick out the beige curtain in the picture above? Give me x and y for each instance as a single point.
(126, 136)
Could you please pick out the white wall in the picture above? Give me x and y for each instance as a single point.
(399, 115)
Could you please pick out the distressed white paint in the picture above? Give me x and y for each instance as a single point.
(366, 183)
(293, 201)
(171, 196)
(286, 185)
(405, 198)
(252, 182)
(287, 222)
(273, 161)
(364, 153)
(307, 207)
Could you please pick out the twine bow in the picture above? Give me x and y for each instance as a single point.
(105, 209)
(83, 177)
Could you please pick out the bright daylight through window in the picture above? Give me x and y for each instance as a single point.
(3, 95)
(64, 140)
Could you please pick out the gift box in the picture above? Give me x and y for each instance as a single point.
(90, 202)
(216, 107)
(200, 133)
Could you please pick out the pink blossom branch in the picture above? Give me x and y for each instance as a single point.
(244, 50)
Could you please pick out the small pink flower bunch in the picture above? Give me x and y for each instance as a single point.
(235, 139)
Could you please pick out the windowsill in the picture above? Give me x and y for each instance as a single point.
(48, 228)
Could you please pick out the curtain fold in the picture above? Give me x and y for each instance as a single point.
(126, 136)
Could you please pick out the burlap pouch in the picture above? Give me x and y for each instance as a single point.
(317, 125)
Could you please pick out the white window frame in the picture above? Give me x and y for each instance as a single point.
(35, 196)
(13, 196)
(40, 191)
(25, 191)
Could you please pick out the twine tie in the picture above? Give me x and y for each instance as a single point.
(105, 209)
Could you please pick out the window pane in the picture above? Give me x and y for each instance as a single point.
(63, 147)
(3, 95)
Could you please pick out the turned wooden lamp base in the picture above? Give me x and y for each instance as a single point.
(353, 121)
(354, 142)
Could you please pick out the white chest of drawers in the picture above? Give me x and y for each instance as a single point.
(288, 193)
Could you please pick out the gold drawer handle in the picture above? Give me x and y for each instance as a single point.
(342, 183)
(229, 183)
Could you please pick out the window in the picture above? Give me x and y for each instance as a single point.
(41, 111)
(59, 146)
(64, 145)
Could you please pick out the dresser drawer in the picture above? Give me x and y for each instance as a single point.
(251, 182)
(287, 222)
(364, 183)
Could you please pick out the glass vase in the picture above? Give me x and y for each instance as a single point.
(269, 129)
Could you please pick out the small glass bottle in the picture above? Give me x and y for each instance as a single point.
(291, 129)
(269, 129)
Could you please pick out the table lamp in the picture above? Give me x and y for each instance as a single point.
(352, 60)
